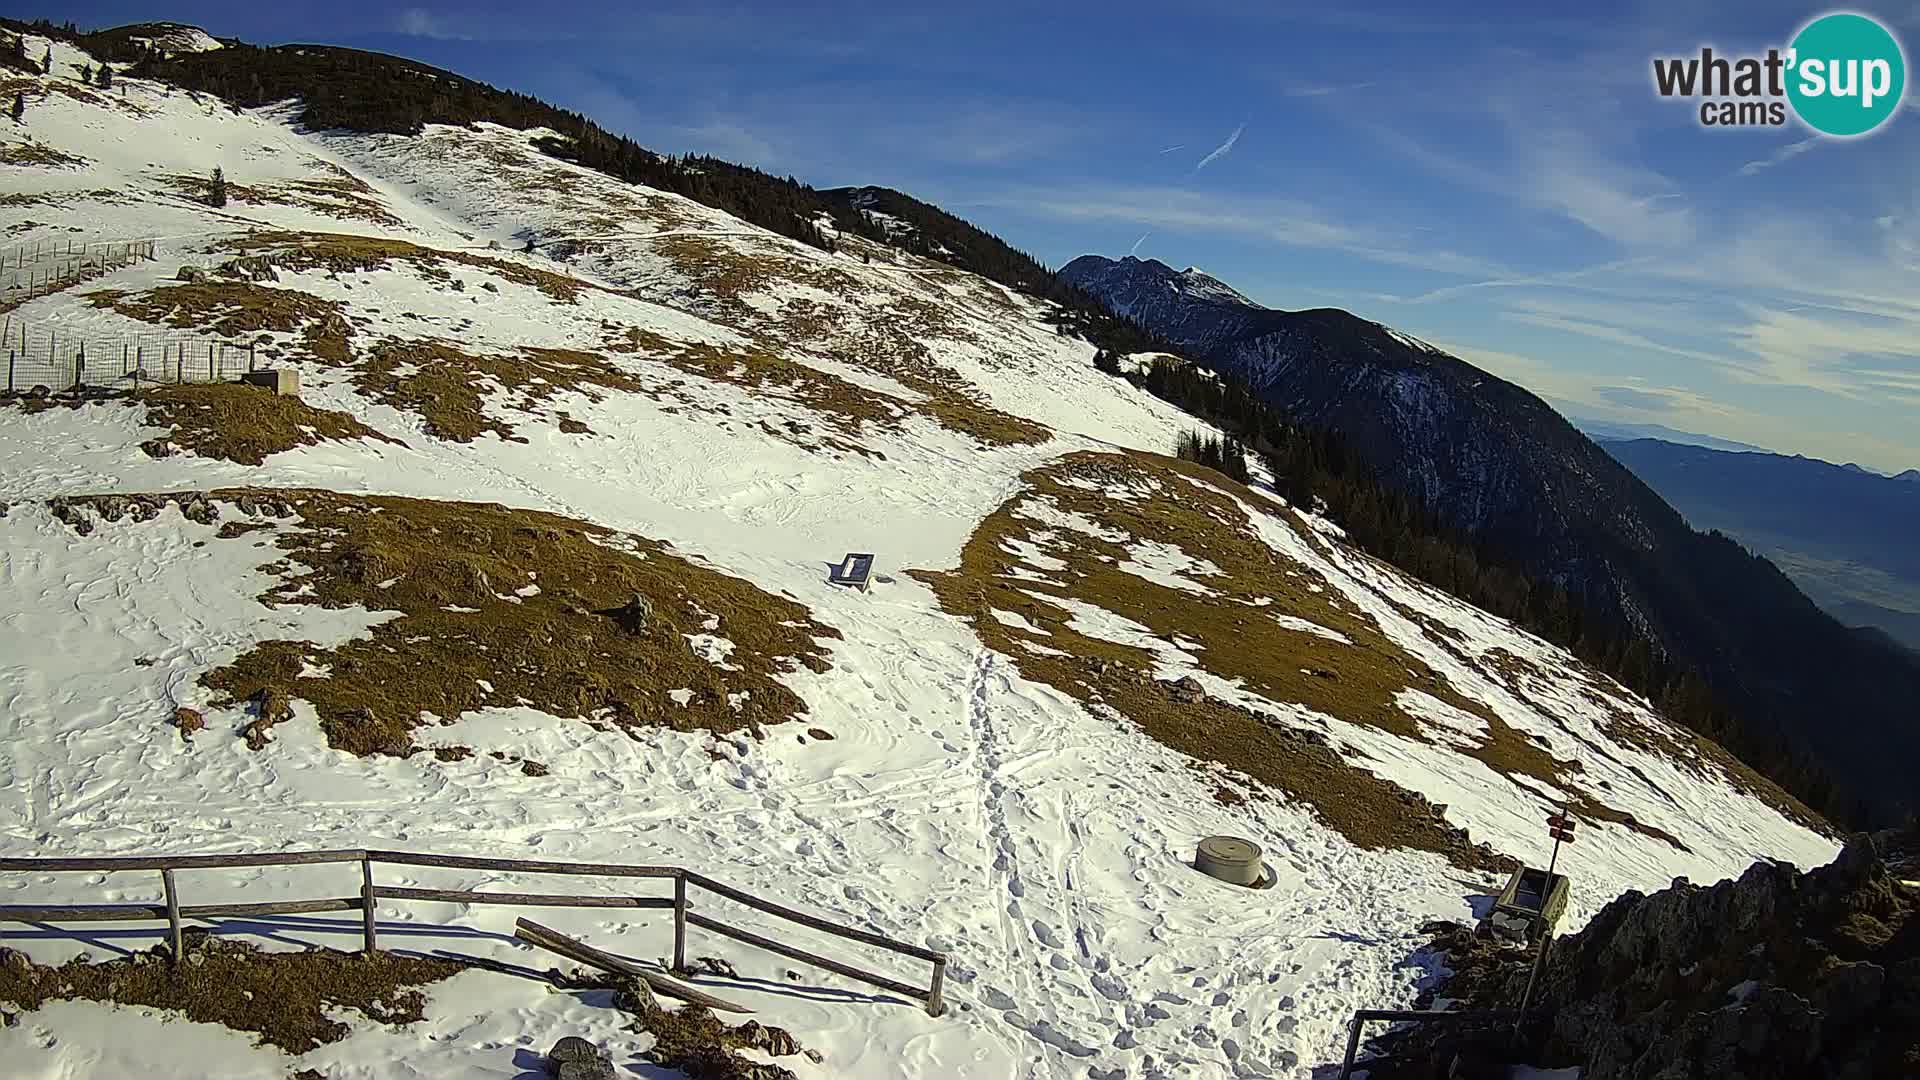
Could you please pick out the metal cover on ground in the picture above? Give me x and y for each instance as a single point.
(1228, 849)
(1230, 859)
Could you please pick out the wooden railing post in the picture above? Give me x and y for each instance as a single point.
(174, 936)
(372, 940)
(935, 1004)
(680, 921)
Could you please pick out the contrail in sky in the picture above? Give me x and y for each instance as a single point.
(1135, 249)
(1221, 150)
(1175, 146)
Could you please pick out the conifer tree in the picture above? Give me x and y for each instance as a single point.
(218, 195)
(19, 107)
(105, 79)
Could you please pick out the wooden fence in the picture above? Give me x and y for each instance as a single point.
(173, 912)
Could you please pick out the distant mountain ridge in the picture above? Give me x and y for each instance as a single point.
(1498, 462)
(1605, 431)
(1844, 534)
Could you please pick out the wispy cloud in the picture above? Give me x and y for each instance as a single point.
(1634, 207)
(1326, 90)
(1676, 402)
(1222, 150)
(1135, 249)
(1284, 221)
(419, 22)
(1175, 146)
(1824, 351)
(1785, 153)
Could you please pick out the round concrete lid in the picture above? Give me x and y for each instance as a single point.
(1230, 850)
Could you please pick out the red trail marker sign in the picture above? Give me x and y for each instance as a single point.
(1560, 827)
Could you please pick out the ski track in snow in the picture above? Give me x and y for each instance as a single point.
(960, 806)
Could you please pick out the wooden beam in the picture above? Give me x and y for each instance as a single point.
(527, 866)
(679, 922)
(465, 896)
(806, 957)
(182, 862)
(573, 949)
(369, 933)
(814, 921)
(936, 999)
(86, 913)
(174, 935)
(271, 907)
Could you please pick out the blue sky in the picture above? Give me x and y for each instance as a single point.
(1499, 181)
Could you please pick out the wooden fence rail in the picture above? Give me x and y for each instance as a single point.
(173, 912)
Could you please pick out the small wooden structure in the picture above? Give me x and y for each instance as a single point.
(856, 570)
(284, 382)
(1530, 905)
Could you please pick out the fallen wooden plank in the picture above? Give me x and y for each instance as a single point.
(573, 949)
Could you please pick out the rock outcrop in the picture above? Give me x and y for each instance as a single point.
(1775, 976)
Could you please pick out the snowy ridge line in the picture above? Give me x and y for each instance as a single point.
(173, 911)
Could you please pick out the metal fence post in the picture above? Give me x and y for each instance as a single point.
(371, 936)
(680, 921)
(9, 371)
(1526, 996)
(211, 377)
(174, 935)
(1353, 1046)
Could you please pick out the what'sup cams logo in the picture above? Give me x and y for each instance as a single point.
(1843, 75)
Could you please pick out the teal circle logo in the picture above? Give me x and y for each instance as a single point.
(1847, 74)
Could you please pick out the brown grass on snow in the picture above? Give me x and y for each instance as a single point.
(240, 422)
(235, 309)
(286, 998)
(535, 606)
(1235, 640)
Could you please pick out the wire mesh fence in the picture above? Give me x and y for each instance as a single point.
(43, 360)
(30, 270)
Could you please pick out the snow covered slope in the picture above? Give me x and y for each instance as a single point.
(981, 755)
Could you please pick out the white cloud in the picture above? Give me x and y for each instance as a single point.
(1222, 150)
(1326, 90)
(1284, 221)
(419, 22)
(1785, 153)
(1605, 332)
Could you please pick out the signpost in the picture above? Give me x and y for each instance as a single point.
(1560, 827)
